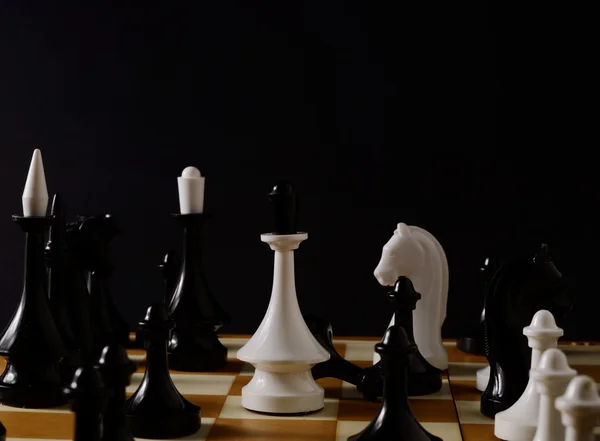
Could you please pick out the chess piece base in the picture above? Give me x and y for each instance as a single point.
(196, 352)
(513, 430)
(483, 378)
(426, 384)
(23, 394)
(471, 345)
(165, 425)
(292, 392)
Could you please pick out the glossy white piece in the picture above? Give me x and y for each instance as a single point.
(191, 191)
(579, 408)
(519, 422)
(283, 350)
(483, 378)
(552, 375)
(35, 194)
(416, 254)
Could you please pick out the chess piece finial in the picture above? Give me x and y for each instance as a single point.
(284, 202)
(579, 408)
(35, 194)
(90, 396)
(552, 376)
(157, 410)
(191, 191)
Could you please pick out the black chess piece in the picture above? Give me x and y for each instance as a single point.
(31, 342)
(194, 345)
(107, 323)
(368, 381)
(2, 432)
(395, 420)
(423, 378)
(116, 369)
(519, 289)
(89, 397)
(157, 410)
(64, 303)
(473, 342)
(285, 207)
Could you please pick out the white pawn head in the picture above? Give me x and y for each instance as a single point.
(542, 330)
(553, 372)
(580, 405)
(191, 191)
(402, 255)
(35, 194)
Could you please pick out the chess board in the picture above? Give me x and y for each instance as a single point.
(452, 414)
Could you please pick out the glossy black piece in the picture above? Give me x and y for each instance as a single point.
(170, 267)
(284, 203)
(517, 291)
(108, 325)
(194, 345)
(157, 410)
(116, 370)
(64, 304)
(31, 342)
(368, 381)
(89, 397)
(473, 341)
(395, 420)
(423, 378)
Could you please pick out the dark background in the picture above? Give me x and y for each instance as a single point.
(466, 119)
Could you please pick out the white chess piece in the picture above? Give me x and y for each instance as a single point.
(552, 375)
(191, 191)
(580, 408)
(483, 378)
(35, 194)
(519, 422)
(283, 350)
(416, 254)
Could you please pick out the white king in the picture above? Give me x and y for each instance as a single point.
(35, 194)
(191, 191)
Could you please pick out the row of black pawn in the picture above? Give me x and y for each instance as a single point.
(156, 410)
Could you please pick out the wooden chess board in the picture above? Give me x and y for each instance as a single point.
(452, 414)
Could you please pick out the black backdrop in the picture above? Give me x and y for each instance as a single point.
(377, 114)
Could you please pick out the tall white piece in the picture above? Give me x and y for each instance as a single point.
(191, 191)
(580, 408)
(283, 350)
(552, 375)
(519, 422)
(35, 194)
(416, 254)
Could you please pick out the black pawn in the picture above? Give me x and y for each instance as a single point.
(31, 341)
(107, 323)
(89, 398)
(473, 341)
(194, 344)
(368, 381)
(423, 378)
(116, 369)
(60, 293)
(157, 410)
(395, 420)
(284, 203)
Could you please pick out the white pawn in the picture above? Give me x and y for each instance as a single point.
(580, 408)
(552, 375)
(35, 193)
(519, 422)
